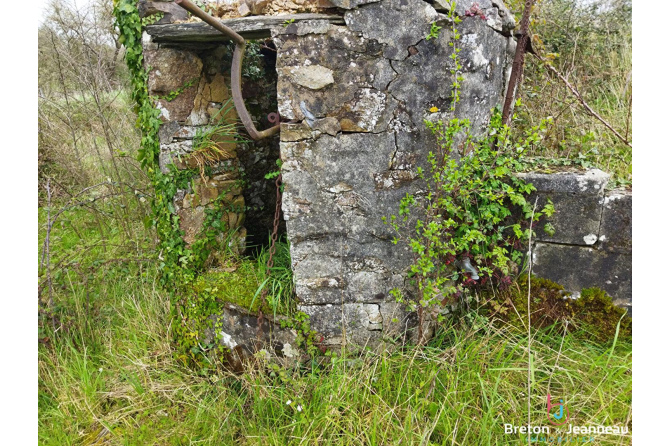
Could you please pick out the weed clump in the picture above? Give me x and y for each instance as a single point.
(592, 313)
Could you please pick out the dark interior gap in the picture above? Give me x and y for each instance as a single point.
(258, 158)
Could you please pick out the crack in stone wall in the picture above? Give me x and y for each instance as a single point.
(377, 79)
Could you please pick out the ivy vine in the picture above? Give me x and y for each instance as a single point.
(194, 301)
(179, 263)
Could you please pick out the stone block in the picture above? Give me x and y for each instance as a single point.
(616, 232)
(314, 77)
(368, 109)
(209, 190)
(170, 69)
(167, 132)
(577, 267)
(295, 132)
(351, 4)
(496, 13)
(337, 83)
(257, 6)
(330, 126)
(207, 103)
(398, 24)
(303, 28)
(243, 10)
(240, 331)
(191, 219)
(577, 198)
(325, 4)
(320, 290)
(393, 179)
(354, 323)
(171, 12)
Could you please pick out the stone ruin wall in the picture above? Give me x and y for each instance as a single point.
(369, 85)
(207, 102)
(353, 95)
(593, 243)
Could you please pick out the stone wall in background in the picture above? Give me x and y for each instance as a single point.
(200, 74)
(592, 245)
(358, 95)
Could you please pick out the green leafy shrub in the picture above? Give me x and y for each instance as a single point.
(475, 208)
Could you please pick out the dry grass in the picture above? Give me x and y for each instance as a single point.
(592, 47)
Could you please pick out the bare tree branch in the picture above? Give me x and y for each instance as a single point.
(579, 97)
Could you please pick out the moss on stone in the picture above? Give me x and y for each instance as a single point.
(238, 286)
(595, 308)
(593, 313)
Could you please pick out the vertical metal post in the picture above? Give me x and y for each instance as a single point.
(517, 65)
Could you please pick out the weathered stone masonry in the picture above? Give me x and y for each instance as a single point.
(198, 107)
(593, 244)
(355, 86)
(361, 93)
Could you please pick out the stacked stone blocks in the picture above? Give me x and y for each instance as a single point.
(592, 243)
(357, 96)
(192, 94)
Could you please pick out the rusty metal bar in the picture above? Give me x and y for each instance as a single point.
(517, 64)
(236, 70)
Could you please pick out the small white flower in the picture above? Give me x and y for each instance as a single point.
(100, 370)
(288, 402)
(299, 408)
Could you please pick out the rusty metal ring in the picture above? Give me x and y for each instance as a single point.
(273, 118)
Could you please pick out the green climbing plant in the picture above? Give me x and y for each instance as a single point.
(166, 223)
(196, 292)
(179, 263)
(434, 31)
(171, 96)
(473, 209)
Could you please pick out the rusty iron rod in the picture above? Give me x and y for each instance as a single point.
(517, 64)
(202, 15)
(235, 71)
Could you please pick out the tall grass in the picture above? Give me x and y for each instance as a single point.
(278, 279)
(111, 379)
